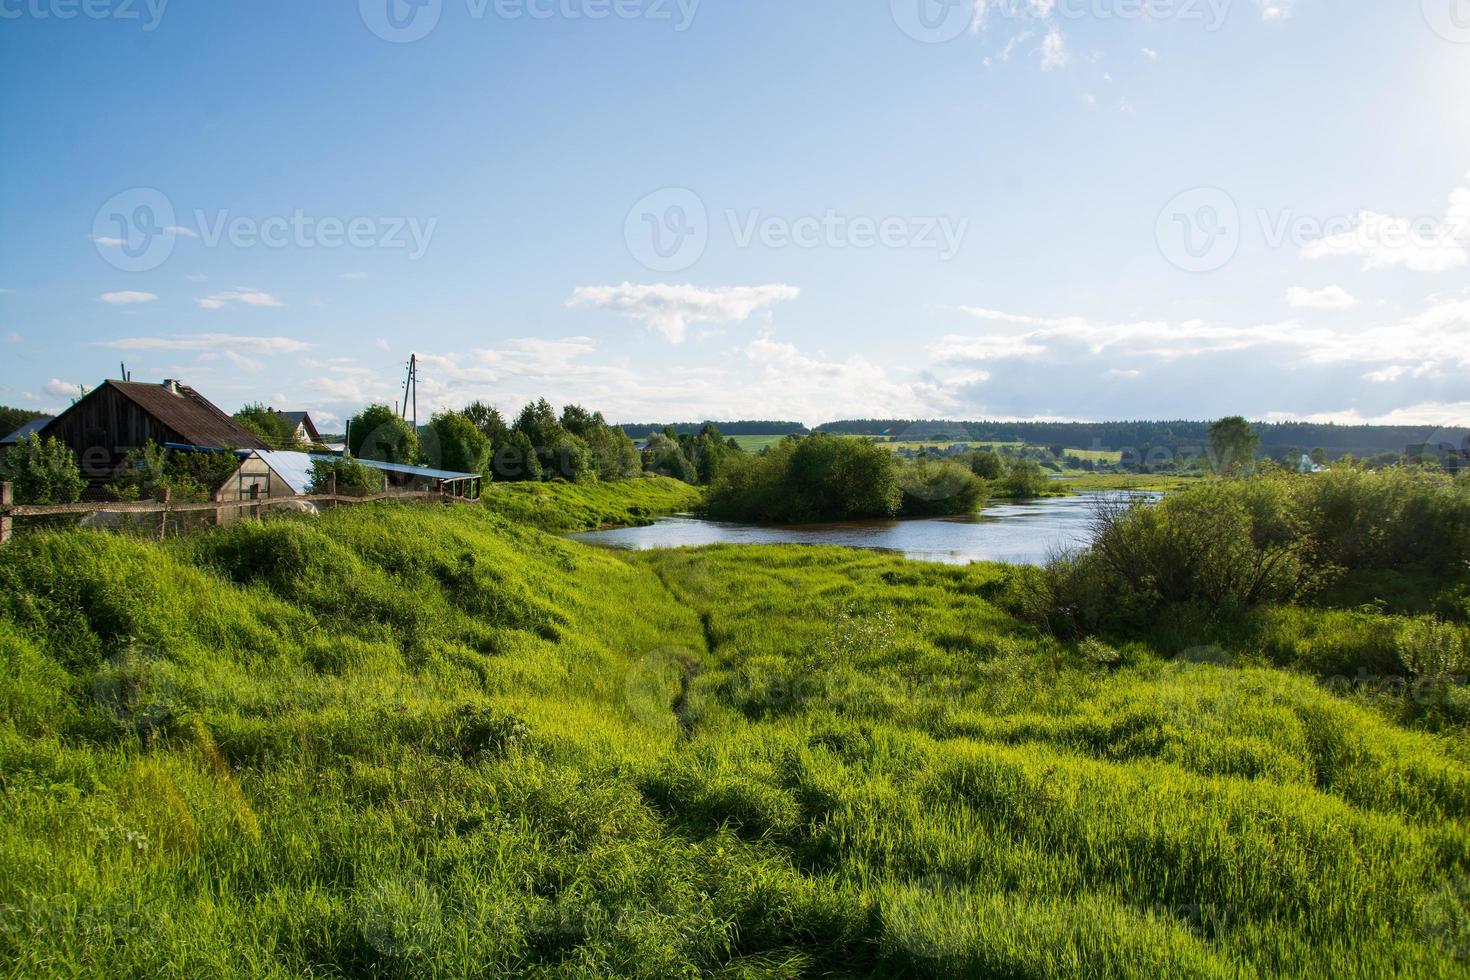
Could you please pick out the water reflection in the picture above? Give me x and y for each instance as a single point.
(1021, 532)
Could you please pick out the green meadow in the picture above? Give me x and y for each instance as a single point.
(409, 741)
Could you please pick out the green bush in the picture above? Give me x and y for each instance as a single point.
(819, 477)
(380, 433)
(42, 472)
(939, 488)
(346, 476)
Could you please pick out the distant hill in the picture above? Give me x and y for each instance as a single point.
(741, 428)
(1276, 437)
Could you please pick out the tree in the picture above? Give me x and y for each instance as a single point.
(515, 460)
(664, 458)
(379, 433)
(453, 442)
(986, 465)
(612, 453)
(1024, 479)
(268, 425)
(43, 472)
(13, 418)
(487, 419)
(1318, 456)
(1232, 443)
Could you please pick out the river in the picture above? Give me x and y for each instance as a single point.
(1018, 532)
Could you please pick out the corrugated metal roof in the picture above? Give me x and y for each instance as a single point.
(34, 425)
(411, 470)
(190, 414)
(295, 468)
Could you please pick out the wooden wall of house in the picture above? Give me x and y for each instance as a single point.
(102, 428)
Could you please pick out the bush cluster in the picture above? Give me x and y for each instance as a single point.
(1229, 545)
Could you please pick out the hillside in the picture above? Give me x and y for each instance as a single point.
(419, 741)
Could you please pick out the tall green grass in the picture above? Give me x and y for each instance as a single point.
(431, 741)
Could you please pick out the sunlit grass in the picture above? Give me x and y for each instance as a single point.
(428, 741)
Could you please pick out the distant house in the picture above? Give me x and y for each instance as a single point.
(117, 417)
(34, 425)
(1308, 466)
(305, 430)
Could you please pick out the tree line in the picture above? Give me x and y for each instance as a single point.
(1276, 438)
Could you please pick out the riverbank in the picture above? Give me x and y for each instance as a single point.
(561, 507)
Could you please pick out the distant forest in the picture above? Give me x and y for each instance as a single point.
(742, 428)
(1361, 440)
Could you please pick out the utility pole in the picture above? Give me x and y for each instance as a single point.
(411, 389)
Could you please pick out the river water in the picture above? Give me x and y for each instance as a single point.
(1018, 532)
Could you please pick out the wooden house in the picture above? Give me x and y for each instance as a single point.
(117, 417)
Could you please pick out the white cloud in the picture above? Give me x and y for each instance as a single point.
(1150, 54)
(381, 344)
(215, 342)
(170, 231)
(1054, 52)
(196, 277)
(1420, 245)
(1275, 9)
(62, 389)
(1329, 298)
(1439, 414)
(1435, 340)
(240, 294)
(127, 296)
(12, 337)
(670, 309)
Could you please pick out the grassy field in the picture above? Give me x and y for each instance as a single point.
(754, 444)
(407, 741)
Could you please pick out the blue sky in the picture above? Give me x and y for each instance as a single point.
(671, 209)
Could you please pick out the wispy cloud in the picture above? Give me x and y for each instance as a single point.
(670, 309)
(62, 389)
(212, 342)
(1328, 298)
(170, 231)
(127, 296)
(240, 294)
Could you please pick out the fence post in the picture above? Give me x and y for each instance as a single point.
(162, 513)
(7, 497)
(332, 489)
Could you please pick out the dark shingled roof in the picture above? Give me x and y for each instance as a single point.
(195, 418)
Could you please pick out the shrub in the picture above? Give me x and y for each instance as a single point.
(346, 476)
(1024, 478)
(43, 472)
(820, 477)
(931, 488)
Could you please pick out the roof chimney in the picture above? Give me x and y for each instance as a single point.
(171, 386)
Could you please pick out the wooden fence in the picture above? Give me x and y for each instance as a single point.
(249, 507)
